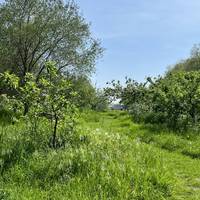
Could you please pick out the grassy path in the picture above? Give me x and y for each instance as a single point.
(177, 150)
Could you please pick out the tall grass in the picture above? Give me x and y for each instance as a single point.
(101, 165)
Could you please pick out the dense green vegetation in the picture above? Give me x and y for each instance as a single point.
(59, 140)
(109, 157)
(171, 100)
(189, 64)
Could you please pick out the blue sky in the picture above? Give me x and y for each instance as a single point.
(141, 38)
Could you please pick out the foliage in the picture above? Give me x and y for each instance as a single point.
(10, 107)
(56, 100)
(100, 101)
(177, 98)
(86, 92)
(88, 97)
(172, 100)
(190, 64)
(51, 98)
(34, 32)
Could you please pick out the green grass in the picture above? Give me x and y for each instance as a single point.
(113, 159)
(181, 152)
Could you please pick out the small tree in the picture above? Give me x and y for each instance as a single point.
(51, 98)
(57, 99)
(10, 107)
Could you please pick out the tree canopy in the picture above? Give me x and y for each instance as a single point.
(172, 100)
(34, 32)
(190, 64)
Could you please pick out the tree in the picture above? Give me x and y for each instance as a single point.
(85, 90)
(100, 101)
(190, 64)
(172, 100)
(133, 95)
(56, 100)
(10, 109)
(176, 97)
(52, 97)
(33, 32)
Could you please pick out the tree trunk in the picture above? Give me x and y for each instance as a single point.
(54, 133)
(26, 108)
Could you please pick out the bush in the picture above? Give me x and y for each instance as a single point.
(172, 100)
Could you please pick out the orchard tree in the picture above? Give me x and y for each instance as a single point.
(177, 98)
(33, 32)
(133, 95)
(52, 98)
(57, 101)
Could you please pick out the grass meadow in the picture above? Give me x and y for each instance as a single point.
(110, 158)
